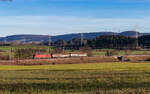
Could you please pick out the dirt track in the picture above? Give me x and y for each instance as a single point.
(77, 60)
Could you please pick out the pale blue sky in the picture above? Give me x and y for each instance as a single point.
(57, 17)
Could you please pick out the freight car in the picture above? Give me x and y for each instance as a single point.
(60, 55)
(78, 55)
(49, 56)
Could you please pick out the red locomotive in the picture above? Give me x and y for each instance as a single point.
(42, 56)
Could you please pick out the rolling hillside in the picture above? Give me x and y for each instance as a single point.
(38, 38)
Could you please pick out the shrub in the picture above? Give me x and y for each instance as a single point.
(127, 52)
(110, 53)
(26, 53)
(57, 50)
(87, 50)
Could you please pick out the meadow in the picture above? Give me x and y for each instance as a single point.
(103, 78)
(7, 48)
(102, 52)
(5, 51)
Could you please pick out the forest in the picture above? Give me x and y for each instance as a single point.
(106, 42)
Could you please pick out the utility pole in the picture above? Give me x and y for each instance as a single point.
(49, 40)
(4, 41)
(42, 41)
(128, 45)
(113, 41)
(10, 53)
(24, 40)
(82, 38)
(118, 46)
(137, 36)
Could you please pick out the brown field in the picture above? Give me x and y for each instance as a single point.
(77, 60)
(137, 58)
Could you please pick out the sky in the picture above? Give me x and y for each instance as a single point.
(56, 17)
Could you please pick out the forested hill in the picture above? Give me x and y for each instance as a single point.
(38, 38)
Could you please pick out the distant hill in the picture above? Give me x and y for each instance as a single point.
(132, 34)
(78, 35)
(38, 38)
(129, 33)
(27, 37)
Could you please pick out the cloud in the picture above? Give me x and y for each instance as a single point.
(56, 25)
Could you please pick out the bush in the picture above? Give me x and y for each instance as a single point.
(87, 50)
(27, 53)
(127, 52)
(57, 50)
(110, 53)
(89, 54)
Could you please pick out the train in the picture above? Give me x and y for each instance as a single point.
(50, 55)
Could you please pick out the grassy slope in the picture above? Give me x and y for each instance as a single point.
(85, 78)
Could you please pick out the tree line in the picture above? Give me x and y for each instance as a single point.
(106, 42)
(101, 42)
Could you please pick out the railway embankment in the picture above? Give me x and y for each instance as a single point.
(74, 60)
(78, 60)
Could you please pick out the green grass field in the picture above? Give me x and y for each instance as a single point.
(4, 50)
(109, 78)
(121, 52)
(7, 48)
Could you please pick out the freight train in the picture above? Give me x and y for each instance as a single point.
(49, 56)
